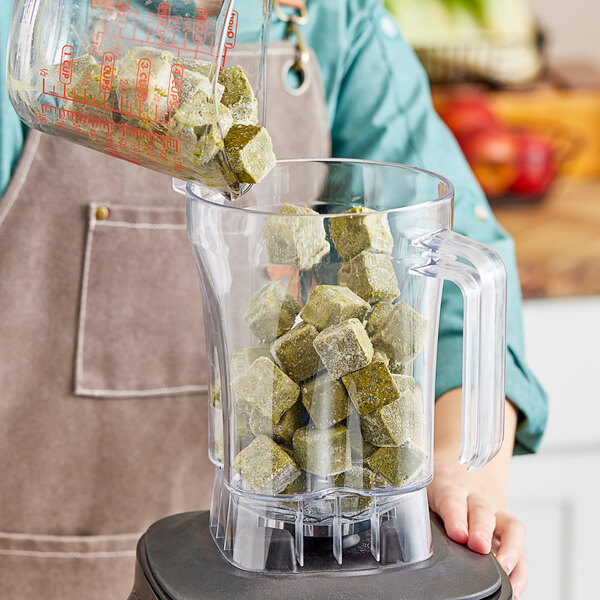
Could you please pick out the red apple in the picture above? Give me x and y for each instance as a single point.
(536, 164)
(467, 114)
(493, 155)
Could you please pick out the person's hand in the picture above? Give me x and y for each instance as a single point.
(475, 512)
(473, 504)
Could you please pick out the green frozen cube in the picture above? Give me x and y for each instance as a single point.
(301, 485)
(400, 464)
(243, 431)
(154, 108)
(215, 397)
(331, 304)
(198, 106)
(271, 312)
(322, 452)
(267, 388)
(265, 466)
(201, 134)
(395, 367)
(326, 401)
(371, 388)
(295, 354)
(85, 88)
(297, 241)
(240, 360)
(214, 174)
(399, 368)
(380, 356)
(250, 152)
(197, 80)
(288, 449)
(238, 95)
(355, 435)
(357, 477)
(404, 382)
(394, 423)
(381, 312)
(198, 66)
(344, 348)
(371, 276)
(363, 451)
(365, 229)
(370, 479)
(402, 335)
(283, 431)
(219, 450)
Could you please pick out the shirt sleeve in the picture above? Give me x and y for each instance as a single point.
(383, 111)
(12, 130)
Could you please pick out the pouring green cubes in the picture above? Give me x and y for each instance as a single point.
(186, 124)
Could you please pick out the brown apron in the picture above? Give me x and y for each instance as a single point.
(102, 362)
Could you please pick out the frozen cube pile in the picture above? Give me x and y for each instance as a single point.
(204, 117)
(327, 384)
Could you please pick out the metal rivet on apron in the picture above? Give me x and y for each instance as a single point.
(389, 27)
(481, 212)
(101, 213)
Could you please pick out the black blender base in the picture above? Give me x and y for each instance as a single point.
(178, 560)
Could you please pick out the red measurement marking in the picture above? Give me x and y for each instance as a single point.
(232, 30)
(175, 87)
(143, 78)
(135, 162)
(199, 33)
(91, 100)
(122, 13)
(66, 64)
(110, 127)
(211, 31)
(106, 72)
(163, 20)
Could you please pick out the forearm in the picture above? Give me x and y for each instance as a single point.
(447, 435)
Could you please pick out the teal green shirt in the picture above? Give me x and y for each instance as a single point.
(12, 130)
(379, 108)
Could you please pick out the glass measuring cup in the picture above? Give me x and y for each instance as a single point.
(142, 80)
(322, 340)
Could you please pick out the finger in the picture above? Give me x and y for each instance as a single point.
(518, 578)
(482, 522)
(511, 534)
(453, 511)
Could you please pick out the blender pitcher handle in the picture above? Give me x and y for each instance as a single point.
(483, 286)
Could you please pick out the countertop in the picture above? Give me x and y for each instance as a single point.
(557, 239)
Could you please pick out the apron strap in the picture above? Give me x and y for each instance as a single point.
(299, 5)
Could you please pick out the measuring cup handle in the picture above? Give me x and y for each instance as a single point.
(483, 286)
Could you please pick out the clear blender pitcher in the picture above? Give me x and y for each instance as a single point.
(321, 291)
(149, 81)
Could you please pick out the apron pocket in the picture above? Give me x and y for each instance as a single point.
(140, 324)
(66, 568)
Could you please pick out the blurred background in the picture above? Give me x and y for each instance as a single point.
(518, 82)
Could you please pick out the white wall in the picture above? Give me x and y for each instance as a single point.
(556, 493)
(572, 27)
